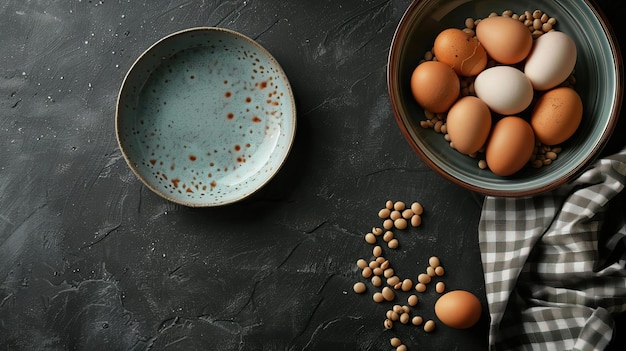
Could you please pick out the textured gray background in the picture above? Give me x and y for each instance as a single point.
(91, 259)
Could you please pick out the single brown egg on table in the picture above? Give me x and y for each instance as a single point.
(510, 145)
(461, 51)
(557, 115)
(435, 86)
(506, 40)
(458, 309)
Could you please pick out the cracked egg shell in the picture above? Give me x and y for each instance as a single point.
(461, 51)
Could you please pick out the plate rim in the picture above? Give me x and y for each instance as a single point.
(265, 179)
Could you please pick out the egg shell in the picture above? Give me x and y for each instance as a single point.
(551, 60)
(468, 123)
(458, 309)
(461, 51)
(506, 40)
(510, 146)
(557, 115)
(505, 89)
(435, 86)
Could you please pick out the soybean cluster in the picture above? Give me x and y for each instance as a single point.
(385, 283)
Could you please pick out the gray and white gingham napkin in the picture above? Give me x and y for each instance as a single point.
(554, 264)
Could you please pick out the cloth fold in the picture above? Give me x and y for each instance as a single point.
(554, 264)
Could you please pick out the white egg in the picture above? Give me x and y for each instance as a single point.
(551, 60)
(506, 90)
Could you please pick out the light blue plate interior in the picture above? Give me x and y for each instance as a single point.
(598, 82)
(205, 117)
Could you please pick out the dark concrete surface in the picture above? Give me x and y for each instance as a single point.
(90, 259)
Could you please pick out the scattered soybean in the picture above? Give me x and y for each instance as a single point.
(388, 224)
(404, 318)
(388, 294)
(399, 206)
(367, 272)
(439, 271)
(384, 213)
(423, 278)
(377, 251)
(407, 214)
(388, 236)
(429, 326)
(378, 297)
(359, 288)
(393, 244)
(388, 324)
(400, 223)
(395, 215)
(416, 220)
(430, 271)
(417, 208)
(407, 284)
(395, 342)
(417, 320)
(388, 273)
(393, 281)
(377, 281)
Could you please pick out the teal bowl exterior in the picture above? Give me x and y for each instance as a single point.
(205, 117)
(599, 82)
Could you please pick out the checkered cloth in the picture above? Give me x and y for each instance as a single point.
(554, 264)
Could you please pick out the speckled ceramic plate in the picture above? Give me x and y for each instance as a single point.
(599, 81)
(205, 117)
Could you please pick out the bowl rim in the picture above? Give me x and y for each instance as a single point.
(292, 117)
(398, 43)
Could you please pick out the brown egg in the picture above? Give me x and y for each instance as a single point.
(458, 309)
(468, 123)
(460, 51)
(510, 145)
(557, 115)
(505, 39)
(435, 86)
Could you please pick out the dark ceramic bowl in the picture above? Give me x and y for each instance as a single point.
(599, 82)
(205, 117)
